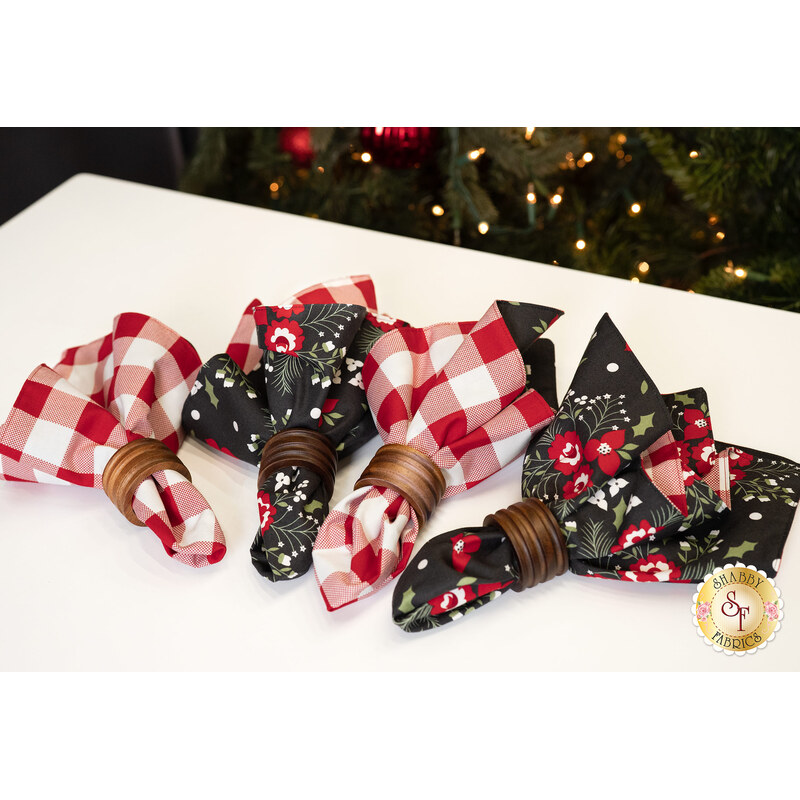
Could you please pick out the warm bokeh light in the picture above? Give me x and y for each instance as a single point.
(483, 227)
(643, 267)
(635, 208)
(580, 244)
(531, 196)
(720, 235)
(555, 199)
(694, 154)
(634, 280)
(587, 157)
(529, 133)
(740, 273)
(437, 211)
(366, 158)
(273, 187)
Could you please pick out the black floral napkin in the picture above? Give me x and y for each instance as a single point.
(309, 377)
(637, 485)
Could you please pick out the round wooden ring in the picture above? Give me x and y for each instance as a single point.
(410, 473)
(299, 447)
(537, 540)
(132, 464)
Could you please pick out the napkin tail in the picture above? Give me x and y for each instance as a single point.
(179, 515)
(365, 541)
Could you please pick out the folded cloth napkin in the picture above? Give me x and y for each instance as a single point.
(244, 347)
(451, 405)
(69, 421)
(637, 490)
(307, 387)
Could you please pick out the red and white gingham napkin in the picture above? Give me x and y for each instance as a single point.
(454, 391)
(68, 421)
(359, 290)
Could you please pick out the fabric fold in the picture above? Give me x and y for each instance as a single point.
(308, 377)
(639, 489)
(67, 422)
(455, 392)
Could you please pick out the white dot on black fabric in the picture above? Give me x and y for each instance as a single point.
(612, 367)
(422, 564)
(195, 414)
(755, 515)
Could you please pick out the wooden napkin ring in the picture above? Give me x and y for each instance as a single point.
(299, 447)
(536, 537)
(132, 464)
(410, 473)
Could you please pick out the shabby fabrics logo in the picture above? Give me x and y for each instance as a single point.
(737, 609)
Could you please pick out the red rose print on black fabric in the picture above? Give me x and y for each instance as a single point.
(452, 599)
(213, 444)
(463, 546)
(698, 426)
(736, 475)
(604, 450)
(566, 452)
(739, 458)
(383, 321)
(652, 568)
(288, 310)
(266, 511)
(580, 482)
(284, 337)
(633, 534)
(705, 455)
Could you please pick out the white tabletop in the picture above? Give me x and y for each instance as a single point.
(81, 589)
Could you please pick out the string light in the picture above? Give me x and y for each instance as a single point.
(720, 235)
(694, 154)
(713, 219)
(634, 279)
(643, 267)
(474, 155)
(622, 138)
(437, 211)
(483, 227)
(531, 197)
(740, 273)
(635, 208)
(273, 187)
(555, 199)
(320, 169)
(366, 158)
(529, 133)
(587, 157)
(620, 153)
(580, 244)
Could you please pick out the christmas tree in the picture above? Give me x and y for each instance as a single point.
(711, 210)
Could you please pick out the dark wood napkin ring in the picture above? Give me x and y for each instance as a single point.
(299, 447)
(410, 473)
(537, 540)
(132, 464)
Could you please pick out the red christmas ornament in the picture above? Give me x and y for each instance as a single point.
(297, 142)
(398, 147)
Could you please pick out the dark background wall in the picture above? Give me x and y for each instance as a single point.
(34, 161)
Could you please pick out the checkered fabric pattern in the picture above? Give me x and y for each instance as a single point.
(68, 421)
(454, 391)
(355, 289)
(662, 463)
